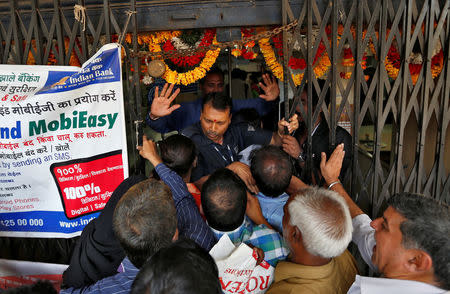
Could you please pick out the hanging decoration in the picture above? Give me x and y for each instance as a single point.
(184, 70)
(392, 63)
(247, 50)
(296, 65)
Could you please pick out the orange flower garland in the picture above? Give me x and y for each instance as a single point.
(191, 76)
(321, 65)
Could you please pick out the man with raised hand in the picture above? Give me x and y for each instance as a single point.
(165, 118)
(219, 141)
(409, 245)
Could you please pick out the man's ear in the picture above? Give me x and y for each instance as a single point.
(419, 261)
(194, 164)
(296, 235)
(175, 235)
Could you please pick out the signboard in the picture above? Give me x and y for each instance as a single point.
(62, 144)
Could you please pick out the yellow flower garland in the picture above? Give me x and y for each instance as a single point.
(172, 76)
(321, 67)
(189, 77)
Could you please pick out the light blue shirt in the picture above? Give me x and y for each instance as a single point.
(272, 209)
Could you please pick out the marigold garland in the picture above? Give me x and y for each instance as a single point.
(191, 76)
(246, 51)
(321, 62)
(273, 64)
(189, 61)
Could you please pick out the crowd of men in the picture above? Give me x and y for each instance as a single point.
(154, 234)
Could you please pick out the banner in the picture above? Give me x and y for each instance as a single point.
(62, 144)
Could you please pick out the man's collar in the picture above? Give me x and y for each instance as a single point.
(237, 235)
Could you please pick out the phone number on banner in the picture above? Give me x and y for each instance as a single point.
(43, 221)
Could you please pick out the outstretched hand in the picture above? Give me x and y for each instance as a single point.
(332, 168)
(270, 88)
(161, 102)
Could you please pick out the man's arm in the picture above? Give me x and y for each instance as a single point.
(190, 223)
(295, 185)
(267, 101)
(254, 212)
(330, 171)
(363, 233)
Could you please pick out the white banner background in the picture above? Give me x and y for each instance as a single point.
(62, 144)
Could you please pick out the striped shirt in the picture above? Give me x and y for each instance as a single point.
(119, 283)
(190, 223)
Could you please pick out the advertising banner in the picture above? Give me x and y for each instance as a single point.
(62, 144)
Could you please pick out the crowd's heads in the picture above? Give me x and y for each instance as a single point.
(272, 170)
(323, 219)
(144, 220)
(224, 200)
(178, 152)
(215, 116)
(182, 268)
(213, 81)
(413, 236)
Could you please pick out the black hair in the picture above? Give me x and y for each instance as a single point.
(272, 170)
(427, 227)
(218, 101)
(144, 220)
(224, 200)
(212, 71)
(178, 152)
(248, 116)
(182, 268)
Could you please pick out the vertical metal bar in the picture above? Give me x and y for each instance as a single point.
(445, 116)
(403, 117)
(379, 106)
(334, 72)
(140, 166)
(309, 77)
(107, 20)
(83, 38)
(286, 71)
(37, 31)
(59, 33)
(426, 94)
(229, 72)
(357, 93)
(17, 35)
(440, 144)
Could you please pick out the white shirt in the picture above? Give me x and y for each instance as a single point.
(364, 237)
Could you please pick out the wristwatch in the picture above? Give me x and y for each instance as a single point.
(302, 157)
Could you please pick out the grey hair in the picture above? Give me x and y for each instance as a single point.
(427, 228)
(324, 220)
